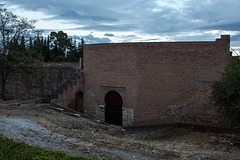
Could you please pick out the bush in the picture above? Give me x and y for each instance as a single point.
(59, 59)
(226, 93)
(71, 57)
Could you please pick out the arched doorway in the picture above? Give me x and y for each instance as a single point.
(79, 102)
(113, 108)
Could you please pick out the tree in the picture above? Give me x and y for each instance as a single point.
(61, 42)
(81, 48)
(44, 50)
(30, 43)
(226, 92)
(37, 52)
(13, 30)
(48, 45)
(64, 48)
(23, 47)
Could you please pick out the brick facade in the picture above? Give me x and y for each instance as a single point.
(166, 82)
(159, 83)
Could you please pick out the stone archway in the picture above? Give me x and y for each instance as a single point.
(79, 102)
(113, 108)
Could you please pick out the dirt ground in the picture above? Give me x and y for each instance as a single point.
(38, 125)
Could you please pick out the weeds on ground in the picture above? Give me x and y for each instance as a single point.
(10, 149)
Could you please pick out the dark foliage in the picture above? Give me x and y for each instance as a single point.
(226, 93)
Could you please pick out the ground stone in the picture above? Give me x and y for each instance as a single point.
(203, 157)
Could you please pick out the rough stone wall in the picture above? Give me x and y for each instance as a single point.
(68, 97)
(91, 106)
(58, 73)
(23, 87)
(167, 82)
(33, 86)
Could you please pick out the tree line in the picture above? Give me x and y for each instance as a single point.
(56, 47)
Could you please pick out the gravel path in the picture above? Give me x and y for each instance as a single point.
(32, 133)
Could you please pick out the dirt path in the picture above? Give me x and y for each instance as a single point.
(40, 126)
(32, 133)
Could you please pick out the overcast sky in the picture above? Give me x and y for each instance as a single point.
(104, 21)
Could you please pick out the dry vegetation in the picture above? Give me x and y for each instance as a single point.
(78, 135)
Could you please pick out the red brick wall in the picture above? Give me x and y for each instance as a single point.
(175, 81)
(162, 82)
(111, 67)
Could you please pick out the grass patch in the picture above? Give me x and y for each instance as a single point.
(10, 149)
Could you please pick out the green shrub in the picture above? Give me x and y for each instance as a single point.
(226, 93)
(59, 59)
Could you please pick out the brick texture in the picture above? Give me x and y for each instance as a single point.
(166, 82)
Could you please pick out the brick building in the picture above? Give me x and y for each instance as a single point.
(153, 83)
(135, 83)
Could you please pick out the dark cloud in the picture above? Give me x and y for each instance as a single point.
(128, 38)
(139, 15)
(235, 26)
(214, 14)
(71, 10)
(152, 17)
(109, 35)
(235, 38)
(113, 27)
(90, 39)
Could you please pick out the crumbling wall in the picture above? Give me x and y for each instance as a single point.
(39, 84)
(67, 97)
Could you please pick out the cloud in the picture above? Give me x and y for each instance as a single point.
(213, 14)
(235, 38)
(75, 37)
(179, 20)
(112, 27)
(233, 26)
(129, 38)
(147, 17)
(70, 10)
(90, 39)
(109, 35)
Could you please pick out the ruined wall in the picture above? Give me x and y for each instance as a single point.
(67, 97)
(33, 86)
(166, 82)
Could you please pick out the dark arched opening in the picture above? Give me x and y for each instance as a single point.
(113, 108)
(79, 102)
